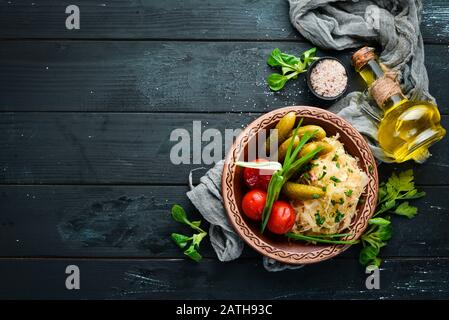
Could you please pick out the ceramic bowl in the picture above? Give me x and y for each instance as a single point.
(279, 247)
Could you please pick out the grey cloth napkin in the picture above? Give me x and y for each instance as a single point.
(392, 24)
(206, 197)
(337, 25)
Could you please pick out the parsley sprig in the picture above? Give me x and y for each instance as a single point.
(392, 199)
(290, 65)
(179, 215)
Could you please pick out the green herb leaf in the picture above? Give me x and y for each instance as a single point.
(193, 254)
(290, 65)
(309, 56)
(196, 223)
(335, 179)
(412, 194)
(275, 59)
(368, 255)
(180, 239)
(322, 175)
(404, 209)
(385, 232)
(379, 221)
(403, 181)
(376, 236)
(290, 59)
(286, 70)
(179, 214)
(340, 201)
(276, 81)
(196, 239)
(338, 216)
(348, 193)
(319, 219)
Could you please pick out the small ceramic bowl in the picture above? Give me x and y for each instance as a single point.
(309, 84)
(279, 247)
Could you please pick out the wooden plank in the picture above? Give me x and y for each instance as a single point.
(163, 76)
(124, 221)
(124, 148)
(99, 221)
(144, 76)
(174, 19)
(146, 19)
(434, 22)
(156, 279)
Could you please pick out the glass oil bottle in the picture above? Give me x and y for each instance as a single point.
(407, 128)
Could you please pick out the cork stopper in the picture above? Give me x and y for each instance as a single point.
(362, 56)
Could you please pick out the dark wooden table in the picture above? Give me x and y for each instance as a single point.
(85, 176)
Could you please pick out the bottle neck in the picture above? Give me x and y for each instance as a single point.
(371, 72)
(392, 101)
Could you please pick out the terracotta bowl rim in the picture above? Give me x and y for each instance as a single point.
(253, 239)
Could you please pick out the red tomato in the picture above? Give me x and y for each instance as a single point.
(282, 217)
(253, 203)
(255, 179)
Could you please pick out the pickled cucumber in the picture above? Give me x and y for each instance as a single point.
(309, 147)
(319, 134)
(284, 127)
(297, 191)
(282, 151)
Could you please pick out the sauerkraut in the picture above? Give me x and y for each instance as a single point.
(343, 182)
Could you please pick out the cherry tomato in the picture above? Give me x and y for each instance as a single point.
(282, 217)
(254, 177)
(253, 203)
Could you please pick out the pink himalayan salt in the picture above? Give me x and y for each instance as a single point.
(328, 78)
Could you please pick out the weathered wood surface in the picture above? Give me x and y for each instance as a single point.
(164, 76)
(175, 19)
(85, 176)
(124, 148)
(123, 221)
(180, 279)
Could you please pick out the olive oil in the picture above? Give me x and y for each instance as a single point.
(407, 128)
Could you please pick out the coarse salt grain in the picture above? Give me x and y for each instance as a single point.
(328, 78)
